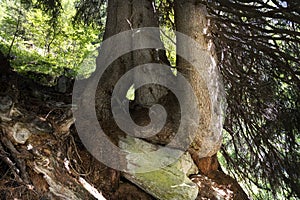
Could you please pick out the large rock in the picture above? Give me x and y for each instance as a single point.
(165, 182)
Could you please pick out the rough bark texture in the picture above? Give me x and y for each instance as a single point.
(114, 24)
(190, 19)
(144, 16)
(132, 14)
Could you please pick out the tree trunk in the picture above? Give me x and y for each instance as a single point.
(144, 16)
(190, 19)
(123, 16)
(115, 23)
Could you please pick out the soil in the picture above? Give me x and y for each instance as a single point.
(30, 170)
(42, 157)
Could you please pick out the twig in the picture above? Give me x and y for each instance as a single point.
(9, 162)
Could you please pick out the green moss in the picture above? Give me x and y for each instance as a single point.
(169, 182)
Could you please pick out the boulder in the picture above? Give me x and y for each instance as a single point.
(169, 182)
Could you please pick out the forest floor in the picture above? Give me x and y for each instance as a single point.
(42, 157)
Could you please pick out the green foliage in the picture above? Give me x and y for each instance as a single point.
(39, 46)
(166, 20)
(168, 38)
(91, 12)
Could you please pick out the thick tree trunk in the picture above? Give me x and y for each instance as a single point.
(115, 23)
(123, 15)
(190, 19)
(145, 16)
(126, 15)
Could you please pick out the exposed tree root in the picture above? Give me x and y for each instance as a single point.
(42, 157)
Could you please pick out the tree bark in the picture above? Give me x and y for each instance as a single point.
(123, 16)
(190, 19)
(145, 16)
(115, 23)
